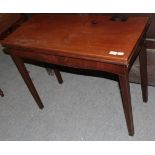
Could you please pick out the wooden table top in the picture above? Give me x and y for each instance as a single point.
(81, 36)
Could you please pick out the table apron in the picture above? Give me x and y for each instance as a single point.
(72, 62)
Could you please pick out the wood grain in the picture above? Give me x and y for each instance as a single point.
(78, 36)
(83, 42)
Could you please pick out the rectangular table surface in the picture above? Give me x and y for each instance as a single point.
(81, 36)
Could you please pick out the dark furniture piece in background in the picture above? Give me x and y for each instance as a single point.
(86, 42)
(8, 23)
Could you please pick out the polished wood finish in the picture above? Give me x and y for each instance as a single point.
(79, 37)
(150, 46)
(83, 42)
(134, 75)
(9, 22)
(22, 69)
(126, 100)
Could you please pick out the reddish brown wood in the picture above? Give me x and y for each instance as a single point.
(1, 93)
(70, 62)
(126, 100)
(82, 42)
(135, 74)
(58, 76)
(143, 72)
(9, 22)
(25, 75)
(76, 36)
(150, 44)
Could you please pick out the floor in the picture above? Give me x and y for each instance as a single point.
(82, 108)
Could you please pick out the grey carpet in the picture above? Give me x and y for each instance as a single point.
(82, 108)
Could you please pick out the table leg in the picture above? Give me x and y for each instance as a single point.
(58, 76)
(143, 74)
(51, 70)
(25, 75)
(126, 100)
(1, 93)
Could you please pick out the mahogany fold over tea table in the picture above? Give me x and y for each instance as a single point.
(85, 42)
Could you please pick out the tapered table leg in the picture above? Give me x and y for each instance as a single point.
(143, 74)
(1, 93)
(51, 70)
(126, 100)
(58, 76)
(25, 75)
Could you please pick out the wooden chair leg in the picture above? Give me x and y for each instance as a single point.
(126, 100)
(1, 93)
